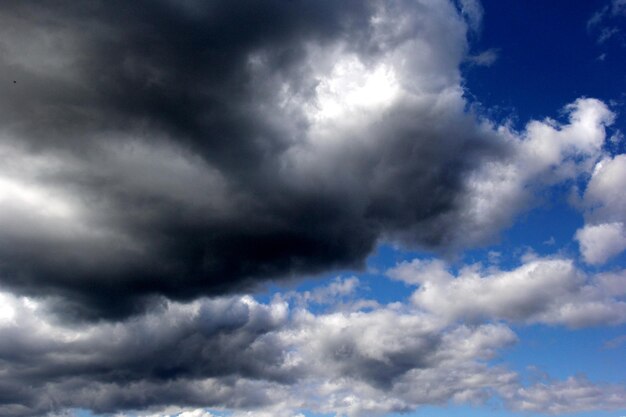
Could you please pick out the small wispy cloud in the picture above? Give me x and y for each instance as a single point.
(602, 22)
(615, 342)
(484, 59)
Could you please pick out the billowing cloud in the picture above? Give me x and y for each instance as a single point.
(573, 395)
(543, 290)
(202, 353)
(158, 159)
(237, 353)
(154, 150)
(604, 202)
(600, 242)
(257, 359)
(181, 149)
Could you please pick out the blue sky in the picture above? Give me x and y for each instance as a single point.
(412, 208)
(549, 56)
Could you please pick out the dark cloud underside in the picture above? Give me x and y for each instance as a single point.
(173, 141)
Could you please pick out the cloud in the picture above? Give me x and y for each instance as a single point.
(157, 158)
(574, 395)
(485, 59)
(618, 7)
(544, 154)
(242, 355)
(597, 18)
(199, 160)
(253, 359)
(605, 21)
(332, 294)
(154, 150)
(598, 243)
(615, 342)
(604, 204)
(607, 33)
(542, 290)
(173, 412)
(473, 9)
(201, 353)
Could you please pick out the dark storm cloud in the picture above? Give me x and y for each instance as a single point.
(162, 123)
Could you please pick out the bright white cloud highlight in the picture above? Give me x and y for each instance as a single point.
(352, 87)
(600, 242)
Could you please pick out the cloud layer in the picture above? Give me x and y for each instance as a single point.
(604, 202)
(276, 359)
(184, 149)
(159, 159)
(543, 290)
(154, 150)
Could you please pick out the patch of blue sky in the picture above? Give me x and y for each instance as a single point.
(546, 58)
(373, 284)
(546, 230)
(558, 352)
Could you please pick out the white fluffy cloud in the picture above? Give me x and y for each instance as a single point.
(546, 153)
(543, 290)
(364, 133)
(604, 201)
(573, 395)
(600, 242)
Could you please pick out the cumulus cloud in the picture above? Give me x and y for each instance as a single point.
(241, 354)
(604, 204)
(335, 293)
(546, 153)
(600, 242)
(215, 352)
(253, 359)
(573, 395)
(543, 290)
(169, 412)
(158, 157)
(154, 150)
(199, 160)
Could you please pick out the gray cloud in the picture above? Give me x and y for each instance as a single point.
(237, 354)
(185, 149)
(240, 354)
(573, 395)
(200, 353)
(156, 157)
(541, 290)
(270, 359)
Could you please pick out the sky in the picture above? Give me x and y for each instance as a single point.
(291, 208)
